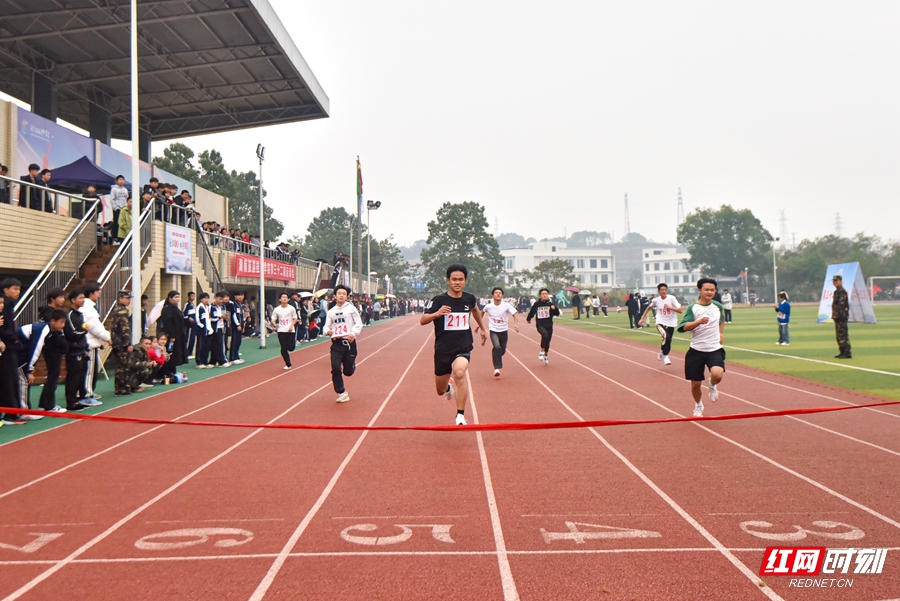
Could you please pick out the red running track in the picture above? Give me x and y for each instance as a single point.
(671, 511)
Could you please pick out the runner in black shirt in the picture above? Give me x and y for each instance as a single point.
(544, 310)
(450, 312)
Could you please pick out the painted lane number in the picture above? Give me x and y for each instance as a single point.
(440, 532)
(162, 541)
(598, 531)
(836, 530)
(42, 539)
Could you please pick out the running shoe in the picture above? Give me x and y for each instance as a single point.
(698, 409)
(76, 407)
(90, 402)
(667, 361)
(496, 373)
(31, 418)
(226, 364)
(449, 394)
(660, 356)
(546, 360)
(237, 362)
(287, 367)
(14, 421)
(461, 420)
(343, 397)
(713, 392)
(145, 385)
(96, 396)
(57, 409)
(541, 355)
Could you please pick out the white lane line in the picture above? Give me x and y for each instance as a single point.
(394, 517)
(780, 355)
(46, 525)
(510, 593)
(155, 428)
(731, 557)
(768, 460)
(188, 385)
(586, 515)
(106, 533)
(226, 520)
(276, 566)
(751, 403)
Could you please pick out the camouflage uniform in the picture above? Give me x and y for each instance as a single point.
(121, 340)
(141, 368)
(840, 313)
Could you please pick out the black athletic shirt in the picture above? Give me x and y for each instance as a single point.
(453, 332)
(544, 311)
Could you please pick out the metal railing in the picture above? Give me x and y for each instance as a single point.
(62, 268)
(230, 244)
(208, 263)
(39, 197)
(118, 272)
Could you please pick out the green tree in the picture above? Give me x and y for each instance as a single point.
(243, 206)
(510, 240)
(459, 234)
(555, 275)
(589, 239)
(725, 241)
(177, 159)
(328, 233)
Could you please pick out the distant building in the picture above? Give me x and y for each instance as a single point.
(665, 265)
(595, 268)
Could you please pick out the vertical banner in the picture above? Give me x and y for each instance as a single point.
(178, 250)
(861, 309)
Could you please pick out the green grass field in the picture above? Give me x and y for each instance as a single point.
(750, 340)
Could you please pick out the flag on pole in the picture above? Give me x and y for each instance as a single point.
(359, 191)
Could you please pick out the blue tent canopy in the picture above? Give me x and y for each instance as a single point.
(75, 177)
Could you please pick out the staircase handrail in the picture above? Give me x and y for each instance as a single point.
(208, 263)
(40, 283)
(112, 279)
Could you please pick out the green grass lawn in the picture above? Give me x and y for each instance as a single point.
(875, 346)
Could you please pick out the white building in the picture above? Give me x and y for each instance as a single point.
(665, 265)
(595, 268)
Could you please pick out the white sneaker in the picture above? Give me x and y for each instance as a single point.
(343, 397)
(660, 356)
(287, 367)
(666, 360)
(698, 409)
(58, 409)
(541, 355)
(192, 357)
(713, 393)
(546, 360)
(226, 364)
(496, 373)
(237, 361)
(449, 394)
(461, 420)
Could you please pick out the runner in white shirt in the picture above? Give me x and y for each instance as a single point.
(285, 318)
(666, 306)
(705, 321)
(498, 313)
(343, 324)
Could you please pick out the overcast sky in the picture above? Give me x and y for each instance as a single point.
(548, 113)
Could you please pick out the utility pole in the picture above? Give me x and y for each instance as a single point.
(838, 229)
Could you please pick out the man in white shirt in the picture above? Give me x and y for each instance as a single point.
(727, 305)
(343, 324)
(498, 313)
(97, 336)
(665, 306)
(704, 320)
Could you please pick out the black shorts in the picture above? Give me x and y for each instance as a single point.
(696, 362)
(443, 362)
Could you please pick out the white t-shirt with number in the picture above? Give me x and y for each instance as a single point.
(343, 321)
(498, 315)
(284, 317)
(665, 316)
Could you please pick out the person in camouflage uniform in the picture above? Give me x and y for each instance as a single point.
(121, 344)
(142, 367)
(840, 313)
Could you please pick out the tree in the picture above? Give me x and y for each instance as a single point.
(554, 274)
(388, 260)
(634, 239)
(329, 233)
(505, 241)
(588, 239)
(241, 189)
(177, 160)
(459, 234)
(725, 241)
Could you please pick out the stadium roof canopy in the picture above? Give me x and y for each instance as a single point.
(205, 66)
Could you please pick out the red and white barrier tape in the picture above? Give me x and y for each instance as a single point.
(599, 423)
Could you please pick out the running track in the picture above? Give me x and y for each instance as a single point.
(106, 511)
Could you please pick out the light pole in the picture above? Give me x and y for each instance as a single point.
(371, 205)
(137, 287)
(263, 318)
(775, 270)
(747, 282)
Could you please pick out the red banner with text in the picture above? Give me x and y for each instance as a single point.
(248, 267)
